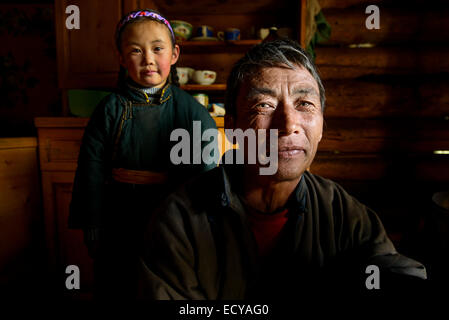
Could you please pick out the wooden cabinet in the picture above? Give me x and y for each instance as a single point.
(59, 140)
(220, 56)
(87, 57)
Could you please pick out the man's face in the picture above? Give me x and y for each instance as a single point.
(287, 100)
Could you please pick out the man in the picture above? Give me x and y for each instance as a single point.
(233, 233)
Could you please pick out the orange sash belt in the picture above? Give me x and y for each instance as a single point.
(138, 176)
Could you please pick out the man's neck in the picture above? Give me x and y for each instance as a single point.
(266, 195)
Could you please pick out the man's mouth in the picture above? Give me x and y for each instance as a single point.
(290, 151)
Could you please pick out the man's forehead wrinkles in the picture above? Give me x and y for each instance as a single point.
(272, 76)
(255, 91)
(277, 82)
(304, 90)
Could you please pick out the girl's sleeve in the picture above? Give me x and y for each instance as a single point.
(209, 148)
(204, 153)
(88, 195)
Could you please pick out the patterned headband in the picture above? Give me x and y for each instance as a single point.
(146, 13)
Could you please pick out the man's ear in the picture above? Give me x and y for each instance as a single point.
(321, 133)
(175, 54)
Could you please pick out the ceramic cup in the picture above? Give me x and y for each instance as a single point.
(218, 109)
(204, 77)
(204, 31)
(202, 98)
(263, 33)
(183, 75)
(190, 71)
(285, 33)
(182, 29)
(229, 34)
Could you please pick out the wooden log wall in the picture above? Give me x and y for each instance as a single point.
(387, 106)
(20, 214)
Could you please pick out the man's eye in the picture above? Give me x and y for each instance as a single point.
(263, 105)
(305, 104)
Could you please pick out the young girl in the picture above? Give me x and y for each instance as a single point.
(124, 165)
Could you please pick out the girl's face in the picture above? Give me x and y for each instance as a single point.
(148, 53)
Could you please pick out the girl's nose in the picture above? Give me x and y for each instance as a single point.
(148, 58)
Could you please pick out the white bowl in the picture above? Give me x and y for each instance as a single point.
(204, 77)
(182, 29)
(190, 71)
(183, 75)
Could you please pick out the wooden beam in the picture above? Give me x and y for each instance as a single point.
(398, 26)
(390, 136)
(369, 167)
(346, 63)
(387, 96)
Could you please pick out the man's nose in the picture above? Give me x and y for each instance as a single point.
(287, 120)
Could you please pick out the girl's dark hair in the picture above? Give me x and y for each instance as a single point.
(123, 24)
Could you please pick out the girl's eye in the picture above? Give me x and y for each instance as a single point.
(158, 49)
(135, 50)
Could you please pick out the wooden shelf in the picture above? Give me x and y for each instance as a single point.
(219, 43)
(200, 87)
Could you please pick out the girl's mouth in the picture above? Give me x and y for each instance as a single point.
(148, 72)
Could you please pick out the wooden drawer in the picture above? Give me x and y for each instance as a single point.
(59, 148)
(59, 142)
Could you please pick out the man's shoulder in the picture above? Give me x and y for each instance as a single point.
(200, 189)
(327, 190)
(191, 202)
(320, 183)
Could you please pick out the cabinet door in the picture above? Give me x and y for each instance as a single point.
(65, 246)
(87, 56)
